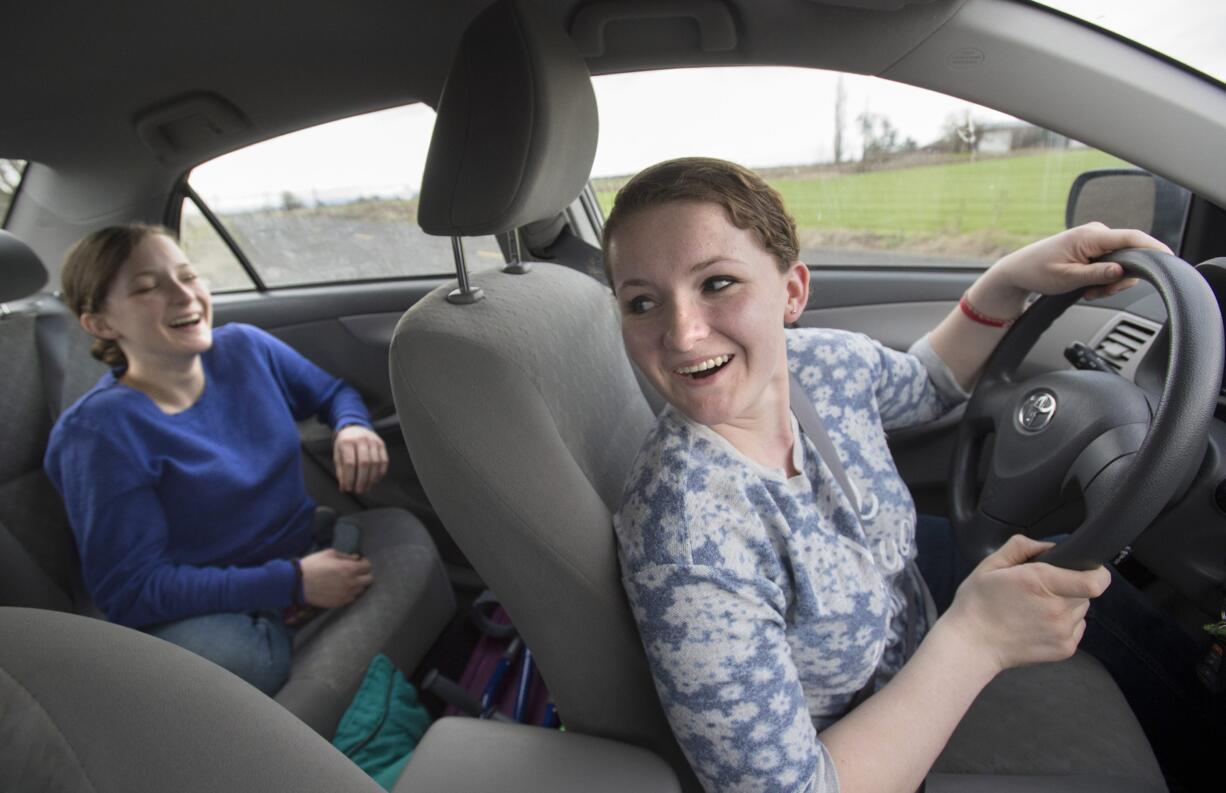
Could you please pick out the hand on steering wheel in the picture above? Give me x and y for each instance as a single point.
(1086, 444)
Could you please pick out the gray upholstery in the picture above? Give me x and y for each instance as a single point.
(516, 130)
(90, 706)
(80, 370)
(39, 563)
(1065, 718)
(1033, 783)
(21, 271)
(523, 417)
(517, 757)
(401, 615)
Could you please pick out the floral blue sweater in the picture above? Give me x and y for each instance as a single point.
(764, 605)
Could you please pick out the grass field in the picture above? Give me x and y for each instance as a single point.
(961, 208)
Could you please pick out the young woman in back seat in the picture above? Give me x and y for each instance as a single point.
(181, 468)
(768, 611)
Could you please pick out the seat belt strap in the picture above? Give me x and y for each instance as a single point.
(815, 429)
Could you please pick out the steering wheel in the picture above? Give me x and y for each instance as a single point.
(1087, 444)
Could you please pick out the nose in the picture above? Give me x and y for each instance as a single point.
(686, 326)
(181, 291)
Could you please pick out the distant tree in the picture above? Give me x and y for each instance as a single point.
(290, 202)
(880, 138)
(840, 118)
(961, 133)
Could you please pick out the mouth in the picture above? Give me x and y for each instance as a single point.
(187, 320)
(704, 369)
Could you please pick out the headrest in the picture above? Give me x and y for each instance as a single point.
(21, 271)
(516, 129)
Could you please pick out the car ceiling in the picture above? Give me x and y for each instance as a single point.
(72, 93)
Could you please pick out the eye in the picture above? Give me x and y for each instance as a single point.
(717, 283)
(639, 304)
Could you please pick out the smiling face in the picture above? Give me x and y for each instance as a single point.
(703, 309)
(157, 309)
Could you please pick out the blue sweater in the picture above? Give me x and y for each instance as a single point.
(197, 512)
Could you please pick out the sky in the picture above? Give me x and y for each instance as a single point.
(759, 117)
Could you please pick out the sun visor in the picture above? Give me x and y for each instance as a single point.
(516, 129)
(21, 271)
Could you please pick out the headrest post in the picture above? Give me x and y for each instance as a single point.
(516, 264)
(465, 295)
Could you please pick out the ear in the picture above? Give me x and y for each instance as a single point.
(97, 326)
(797, 283)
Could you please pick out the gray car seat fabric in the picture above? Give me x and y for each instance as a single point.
(516, 758)
(21, 271)
(523, 418)
(93, 707)
(38, 567)
(1054, 719)
(400, 615)
(516, 129)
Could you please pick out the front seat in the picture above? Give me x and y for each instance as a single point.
(98, 708)
(523, 416)
(520, 410)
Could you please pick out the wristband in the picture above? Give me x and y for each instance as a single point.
(983, 319)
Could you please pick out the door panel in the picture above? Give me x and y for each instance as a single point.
(347, 330)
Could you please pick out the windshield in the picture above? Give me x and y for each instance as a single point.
(1190, 31)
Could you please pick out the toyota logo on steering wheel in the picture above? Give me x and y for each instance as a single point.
(1036, 411)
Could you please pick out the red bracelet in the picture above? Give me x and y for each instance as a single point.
(982, 319)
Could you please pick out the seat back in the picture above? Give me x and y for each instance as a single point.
(94, 707)
(521, 411)
(523, 418)
(37, 555)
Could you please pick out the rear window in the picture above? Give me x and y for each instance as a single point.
(332, 203)
(10, 177)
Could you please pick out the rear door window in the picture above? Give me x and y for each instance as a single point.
(333, 203)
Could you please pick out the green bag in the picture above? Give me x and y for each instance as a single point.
(383, 724)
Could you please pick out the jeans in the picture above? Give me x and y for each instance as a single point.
(1151, 659)
(255, 646)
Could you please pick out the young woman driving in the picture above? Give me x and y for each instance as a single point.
(181, 469)
(767, 606)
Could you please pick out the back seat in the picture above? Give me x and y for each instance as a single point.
(38, 560)
(45, 366)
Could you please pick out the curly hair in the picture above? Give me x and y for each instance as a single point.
(750, 203)
(89, 270)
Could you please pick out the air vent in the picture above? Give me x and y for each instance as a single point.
(1123, 342)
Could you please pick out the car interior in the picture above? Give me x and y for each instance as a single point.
(510, 410)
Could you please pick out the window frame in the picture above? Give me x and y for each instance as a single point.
(21, 180)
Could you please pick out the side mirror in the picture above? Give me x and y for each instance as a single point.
(1129, 198)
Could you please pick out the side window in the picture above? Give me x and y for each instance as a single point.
(10, 177)
(212, 257)
(334, 203)
(874, 172)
